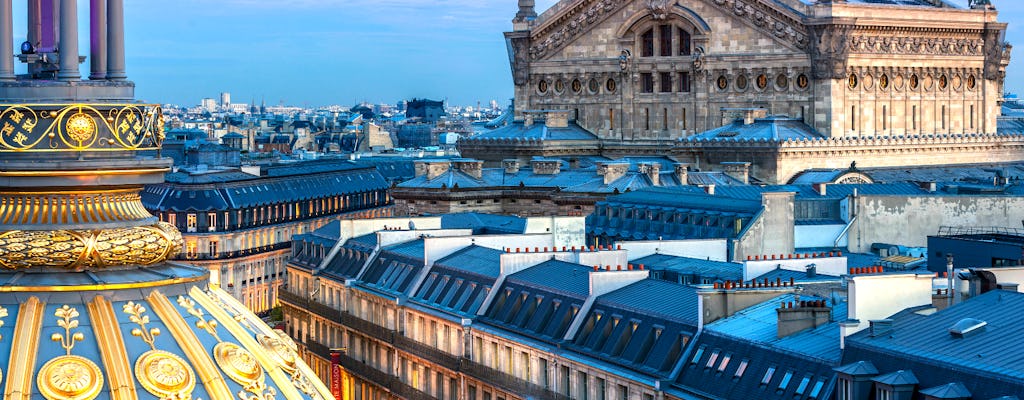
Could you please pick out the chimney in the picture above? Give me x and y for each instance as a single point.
(546, 167)
(748, 115)
(799, 316)
(821, 188)
(738, 170)
(470, 167)
(527, 119)
(612, 171)
(653, 171)
(511, 166)
(681, 172)
(431, 168)
(556, 119)
(710, 189)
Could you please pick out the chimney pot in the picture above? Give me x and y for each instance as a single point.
(563, 248)
(618, 267)
(756, 258)
(596, 268)
(517, 249)
(791, 281)
(773, 256)
(641, 267)
(536, 250)
(545, 249)
(748, 258)
(619, 247)
(716, 285)
(629, 266)
(840, 254)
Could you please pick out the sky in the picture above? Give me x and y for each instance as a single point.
(323, 52)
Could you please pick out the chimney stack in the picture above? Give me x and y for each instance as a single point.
(802, 315)
(738, 170)
(470, 167)
(681, 172)
(653, 171)
(546, 167)
(612, 171)
(511, 166)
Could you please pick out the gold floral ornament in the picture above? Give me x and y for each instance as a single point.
(68, 376)
(161, 373)
(80, 127)
(78, 250)
(236, 362)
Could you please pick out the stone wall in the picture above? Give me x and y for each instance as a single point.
(908, 220)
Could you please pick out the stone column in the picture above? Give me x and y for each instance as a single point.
(68, 41)
(6, 41)
(115, 40)
(98, 39)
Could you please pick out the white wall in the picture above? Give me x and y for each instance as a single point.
(872, 297)
(834, 266)
(805, 236)
(436, 248)
(568, 231)
(387, 238)
(705, 249)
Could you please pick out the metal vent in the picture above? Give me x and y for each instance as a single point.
(881, 327)
(967, 327)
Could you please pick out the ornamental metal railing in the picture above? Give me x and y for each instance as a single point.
(80, 127)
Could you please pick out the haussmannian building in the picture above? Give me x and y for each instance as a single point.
(240, 224)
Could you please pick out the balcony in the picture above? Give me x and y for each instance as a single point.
(408, 345)
(369, 373)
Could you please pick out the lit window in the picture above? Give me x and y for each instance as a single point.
(785, 380)
(712, 359)
(817, 389)
(697, 355)
(172, 219)
(190, 221)
(741, 369)
(768, 376)
(211, 221)
(725, 362)
(803, 385)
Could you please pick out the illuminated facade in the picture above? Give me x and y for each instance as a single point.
(91, 305)
(880, 82)
(240, 224)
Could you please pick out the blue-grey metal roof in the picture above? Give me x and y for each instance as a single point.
(482, 224)
(479, 260)
(706, 269)
(785, 275)
(221, 191)
(954, 390)
(396, 267)
(726, 367)
(897, 378)
(636, 328)
(538, 130)
(657, 298)
(759, 324)
(924, 345)
(461, 281)
(770, 128)
(572, 279)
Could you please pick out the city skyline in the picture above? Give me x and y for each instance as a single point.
(315, 53)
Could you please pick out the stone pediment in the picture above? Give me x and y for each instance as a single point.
(563, 28)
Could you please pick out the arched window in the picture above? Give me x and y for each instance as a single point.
(647, 43)
(685, 42)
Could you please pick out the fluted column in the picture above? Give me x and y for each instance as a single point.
(69, 41)
(98, 39)
(6, 41)
(115, 40)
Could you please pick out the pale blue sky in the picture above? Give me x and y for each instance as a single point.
(318, 52)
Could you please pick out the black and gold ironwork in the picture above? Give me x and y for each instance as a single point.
(80, 127)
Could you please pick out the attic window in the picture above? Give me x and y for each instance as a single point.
(712, 359)
(967, 327)
(697, 355)
(803, 385)
(817, 389)
(741, 369)
(785, 380)
(725, 362)
(768, 375)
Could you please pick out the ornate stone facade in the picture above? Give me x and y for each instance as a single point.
(651, 72)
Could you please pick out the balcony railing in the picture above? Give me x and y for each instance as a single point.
(403, 343)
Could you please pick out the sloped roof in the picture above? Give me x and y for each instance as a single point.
(770, 128)
(923, 344)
